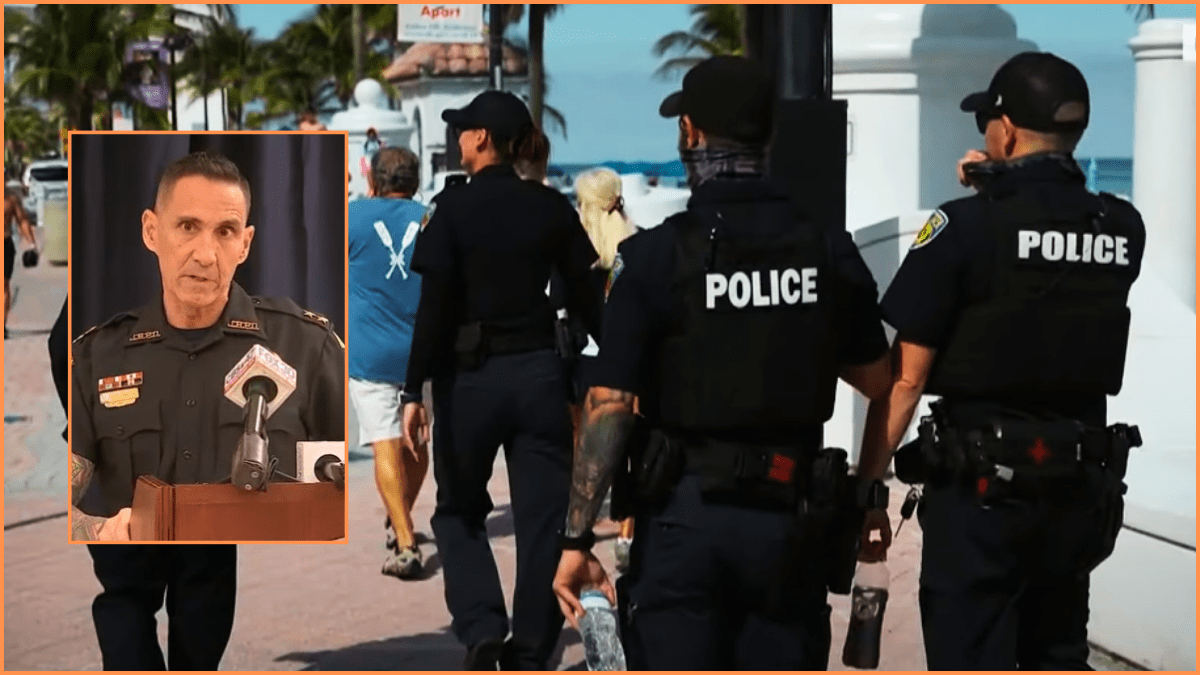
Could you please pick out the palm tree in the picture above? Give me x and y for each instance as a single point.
(718, 30)
(225, 56)
(73, 55)
(325, 42)
(537, 71)
(1141, 12)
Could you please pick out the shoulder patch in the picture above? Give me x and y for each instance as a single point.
(617, 268)
(428, 214)
(932, 227)
(114, 320)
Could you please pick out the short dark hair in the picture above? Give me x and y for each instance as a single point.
(395, 170)
(210, 165)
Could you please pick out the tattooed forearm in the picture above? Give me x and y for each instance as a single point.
(608, 421)
(81, 475)
(83, 526)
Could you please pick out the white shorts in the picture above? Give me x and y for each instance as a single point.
(378, 407)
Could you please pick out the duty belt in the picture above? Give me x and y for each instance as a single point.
(1021, 453)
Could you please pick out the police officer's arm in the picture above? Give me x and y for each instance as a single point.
(433, 259)
(60, 346)
(863, 351)
(631, 320)
(327, 398)
(83, 461)
(576, 257)
(922, 303)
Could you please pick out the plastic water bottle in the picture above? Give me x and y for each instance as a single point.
(598, 627)
(868, 600)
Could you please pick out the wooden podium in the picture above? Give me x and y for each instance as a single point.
(221, 512)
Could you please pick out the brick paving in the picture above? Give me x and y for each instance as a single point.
(300, 606)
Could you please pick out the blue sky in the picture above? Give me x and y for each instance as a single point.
(601, 70)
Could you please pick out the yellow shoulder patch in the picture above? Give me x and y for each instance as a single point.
(937, 221)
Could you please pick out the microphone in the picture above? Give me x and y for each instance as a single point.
(330, 469)
(260, 382)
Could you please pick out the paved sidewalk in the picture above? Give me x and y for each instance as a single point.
(35, 455)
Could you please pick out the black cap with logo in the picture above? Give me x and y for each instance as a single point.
(1038, 91)
(727, 97)
(500, 112)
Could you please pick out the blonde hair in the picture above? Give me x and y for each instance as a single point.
(602, 212)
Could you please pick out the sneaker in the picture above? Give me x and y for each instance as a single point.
(404, 565)
(391, 535)
(621, 550)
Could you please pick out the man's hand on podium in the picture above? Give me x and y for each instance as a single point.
(115, 528)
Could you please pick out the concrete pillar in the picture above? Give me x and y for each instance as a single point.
(393, 127)
(904, 69)
(1164, 150)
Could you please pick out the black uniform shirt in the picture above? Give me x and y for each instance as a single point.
(148, 399)
(486, 255)
(952, 268)
(641, 307)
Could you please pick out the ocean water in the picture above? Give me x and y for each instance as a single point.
(1111, 174)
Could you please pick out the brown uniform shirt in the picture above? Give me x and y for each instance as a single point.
(147, 400)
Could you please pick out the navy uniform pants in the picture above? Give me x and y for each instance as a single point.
(1000, 588)
(200, 585)
(518, 402)
(712, 587)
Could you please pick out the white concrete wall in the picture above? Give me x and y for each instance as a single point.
(1164, 150)
(903, 70)
(425, 99)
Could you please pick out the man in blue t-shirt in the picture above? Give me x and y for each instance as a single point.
(384, 294)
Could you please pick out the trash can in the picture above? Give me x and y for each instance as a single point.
(52, 218)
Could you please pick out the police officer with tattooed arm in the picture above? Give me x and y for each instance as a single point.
(732, 323)
(1011, 306)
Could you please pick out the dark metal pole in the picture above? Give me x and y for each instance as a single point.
(204, 86)
(794, 43)
(169, 42)
(496, 45)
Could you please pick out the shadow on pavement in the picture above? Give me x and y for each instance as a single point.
(426, 651)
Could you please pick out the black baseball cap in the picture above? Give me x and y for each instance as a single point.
(1038, 91)
(500, 112)
(728, 97)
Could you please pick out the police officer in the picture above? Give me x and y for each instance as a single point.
(1011, 306)
(485, 259)
(731, 322)
(147, 399)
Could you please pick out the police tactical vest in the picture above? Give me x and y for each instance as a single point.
(1054, 320)
(755, 348)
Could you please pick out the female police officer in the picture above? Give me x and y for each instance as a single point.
(485, 258)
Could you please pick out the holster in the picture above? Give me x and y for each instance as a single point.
(657, 463)
(569, 342)
(626, 487)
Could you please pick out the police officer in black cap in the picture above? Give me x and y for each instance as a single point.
(732, 322)
(485, 258)
(1011, 306)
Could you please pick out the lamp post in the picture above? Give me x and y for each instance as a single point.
(178, 40)
(795, 45)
